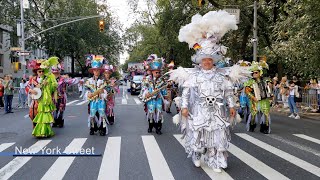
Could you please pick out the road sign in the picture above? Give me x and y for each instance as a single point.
(15, 48)
(24, 53)
(235, 12)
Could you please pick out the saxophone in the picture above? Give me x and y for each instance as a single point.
(154, 93)
(97, 92)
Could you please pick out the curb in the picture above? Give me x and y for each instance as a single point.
(314, 116)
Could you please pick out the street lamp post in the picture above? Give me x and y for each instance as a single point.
(22, 58)
(255, 36)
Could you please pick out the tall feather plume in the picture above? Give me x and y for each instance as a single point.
(216, 23)
(238, 72)
(179, 75)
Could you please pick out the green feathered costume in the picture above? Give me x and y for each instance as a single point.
(46, 106)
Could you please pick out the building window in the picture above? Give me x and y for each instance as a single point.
(1, 60)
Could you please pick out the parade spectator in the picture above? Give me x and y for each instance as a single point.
(276, 91)
(8, 94)
(293, 92)
(22, 94)
(284, 91)
(80, 86)
(1, 93)
(318, 92)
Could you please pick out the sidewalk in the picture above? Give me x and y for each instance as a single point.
(286, 112)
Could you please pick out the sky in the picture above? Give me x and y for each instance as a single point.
(121, 9)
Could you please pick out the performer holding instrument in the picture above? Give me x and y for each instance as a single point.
(40, 88)
(154, 95)
(97, 95)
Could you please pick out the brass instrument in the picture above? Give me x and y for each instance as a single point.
(97, 92)
(154, 93)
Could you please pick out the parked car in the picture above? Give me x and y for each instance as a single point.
(135, 84)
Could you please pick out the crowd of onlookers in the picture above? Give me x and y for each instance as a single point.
(296, 95)
(8, 89)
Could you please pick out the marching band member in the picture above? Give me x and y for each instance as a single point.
(112, 89)
(41, 109)
(97, 95)
(154, 95)
(63, 82)
(259, 92)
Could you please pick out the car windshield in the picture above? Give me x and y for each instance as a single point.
(137, 78)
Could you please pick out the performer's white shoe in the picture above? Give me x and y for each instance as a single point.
(217, 170)
(196, 159)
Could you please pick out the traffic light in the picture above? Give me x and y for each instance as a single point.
(101, 25)
(201, 3)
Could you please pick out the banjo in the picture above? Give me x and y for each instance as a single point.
(36, 96)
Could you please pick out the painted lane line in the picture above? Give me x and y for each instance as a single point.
(110, 164)
(124, 101)
(62, 164)
(71, 102)
(213, 175)
(158, 165)
(137, 101)
(255, 164)
(308, 138)
(83, 102)
(5, 146)
(13, 166)
(286, 156)
(294, 144)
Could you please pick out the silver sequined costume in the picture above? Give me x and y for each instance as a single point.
(208, 94)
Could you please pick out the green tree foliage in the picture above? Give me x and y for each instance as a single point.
(288, 33)
(75, 39)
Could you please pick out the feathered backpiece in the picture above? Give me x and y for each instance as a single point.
(204, 33)
(52, 61)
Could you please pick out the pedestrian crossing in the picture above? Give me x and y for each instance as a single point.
(109, 164)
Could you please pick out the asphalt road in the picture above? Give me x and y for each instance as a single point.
(291, 151)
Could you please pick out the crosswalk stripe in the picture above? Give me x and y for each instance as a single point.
(158, 165)
(308, 138)
(62, 164)
(71, 102)
(255, 164)
(137, 100)
(292, 159)
(213, 175)
(110, 164)
(124, 101)
(83, 102)
(5, 146)
(13, 166)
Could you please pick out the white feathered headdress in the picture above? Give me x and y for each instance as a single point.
(204, 32)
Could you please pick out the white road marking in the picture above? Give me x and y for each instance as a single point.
(213, 175)
(255, 164)
(308, 138)
(83, 102)
(292, 159)
(5, 146)
(296, 145)
(13, 166)
(158, 165)
(110, 164)
(26, 116)
(137, 101)
(62, 164)
(71, 102)
(124, 101)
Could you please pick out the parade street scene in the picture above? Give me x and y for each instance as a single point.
(159, 89)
